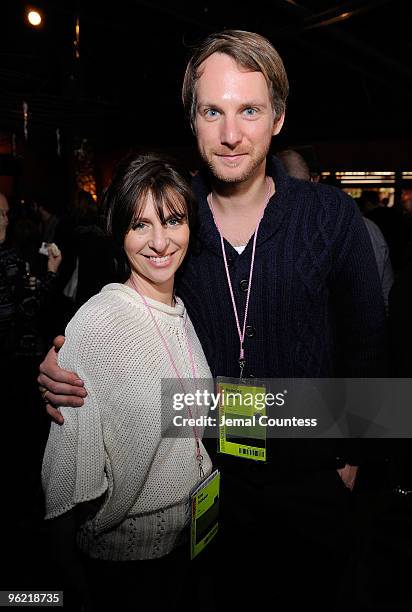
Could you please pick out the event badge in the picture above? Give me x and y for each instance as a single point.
(241, 405)
(205, 513)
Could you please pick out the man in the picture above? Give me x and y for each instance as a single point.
(314, 310)
(294, 164)
(395, 226)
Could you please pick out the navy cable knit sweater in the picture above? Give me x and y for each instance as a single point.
(316, 307)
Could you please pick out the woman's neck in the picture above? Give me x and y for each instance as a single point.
(160, 293)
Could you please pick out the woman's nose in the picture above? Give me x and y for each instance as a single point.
(159, 240)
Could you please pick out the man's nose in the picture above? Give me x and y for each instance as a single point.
(231, 134)
(159, 239)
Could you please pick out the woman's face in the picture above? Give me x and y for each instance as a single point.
(156, 250)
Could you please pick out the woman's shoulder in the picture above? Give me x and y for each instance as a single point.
(112, 308)
(101, 330)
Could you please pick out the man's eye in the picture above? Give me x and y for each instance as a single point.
(250, 112)
(211, 113)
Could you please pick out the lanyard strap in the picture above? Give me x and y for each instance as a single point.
(241, 332)
(199, 456)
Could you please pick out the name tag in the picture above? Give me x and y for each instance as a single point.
(205, 513)
(241, 406)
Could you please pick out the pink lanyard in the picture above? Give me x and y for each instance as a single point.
(199, 456)
(241, 332)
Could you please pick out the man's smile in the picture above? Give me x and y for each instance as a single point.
(231, 158)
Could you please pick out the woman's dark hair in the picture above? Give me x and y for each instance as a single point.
(134, 178)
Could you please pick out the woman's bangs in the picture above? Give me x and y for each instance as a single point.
(170, 203)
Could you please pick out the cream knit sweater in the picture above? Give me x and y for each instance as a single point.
(113, 444)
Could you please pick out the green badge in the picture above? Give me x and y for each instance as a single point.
(205, 513)
(240, 407)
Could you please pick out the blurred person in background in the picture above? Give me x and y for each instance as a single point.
(395, 226)
(382, 255)
(23, 297)
(88, 257)
(22, 294)
(294, 164)
(49, 221)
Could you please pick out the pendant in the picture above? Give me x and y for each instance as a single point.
(200, 462)
(242, 366)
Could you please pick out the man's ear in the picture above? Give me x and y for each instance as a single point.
(278, 124)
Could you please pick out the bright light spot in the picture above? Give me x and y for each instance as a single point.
(34, 18)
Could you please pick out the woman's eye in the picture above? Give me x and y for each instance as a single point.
(138, 226)
(174, 221)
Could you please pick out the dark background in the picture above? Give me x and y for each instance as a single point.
(349, 64)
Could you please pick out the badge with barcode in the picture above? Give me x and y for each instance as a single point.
(242, 431)
(205, 513)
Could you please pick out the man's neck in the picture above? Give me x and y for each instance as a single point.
(245, 198)
(237, 207)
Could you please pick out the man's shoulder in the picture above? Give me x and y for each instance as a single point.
(321, 201)
(320, 192)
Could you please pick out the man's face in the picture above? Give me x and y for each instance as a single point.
(234, 119)
(4, 212)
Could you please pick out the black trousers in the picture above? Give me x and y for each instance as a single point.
(284, 545)
(172, 583)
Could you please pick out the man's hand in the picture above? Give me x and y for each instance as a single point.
(348, 475)
(59, 387)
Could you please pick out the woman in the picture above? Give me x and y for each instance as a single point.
(109, 460)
